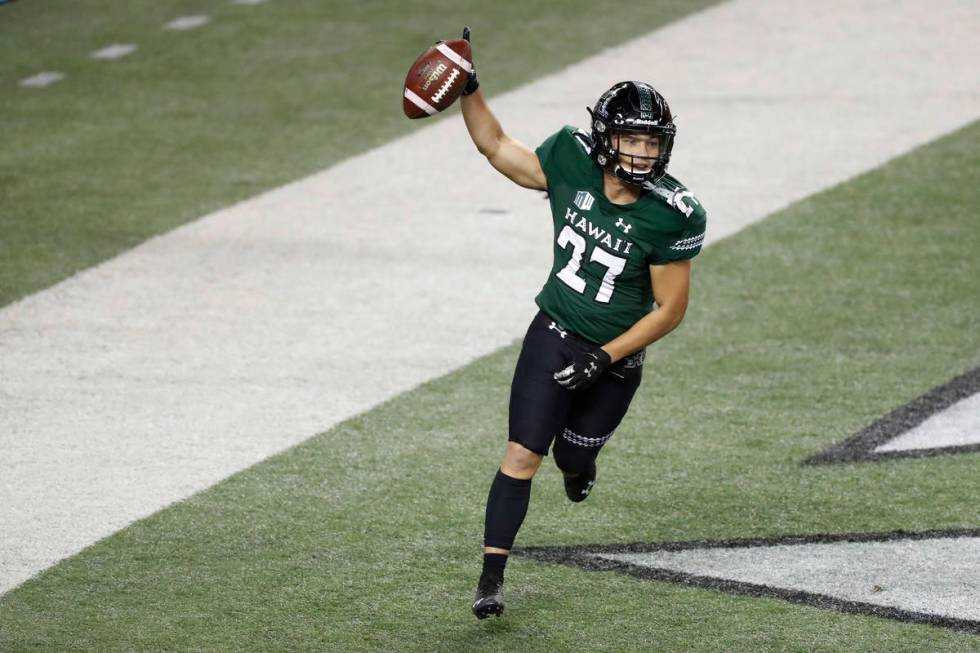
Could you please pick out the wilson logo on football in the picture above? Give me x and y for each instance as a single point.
(437, 78)
(440, 69)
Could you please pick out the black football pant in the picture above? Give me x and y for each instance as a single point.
(577, 422)
(542, 412)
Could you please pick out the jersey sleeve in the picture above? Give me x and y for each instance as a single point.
(685, 240)
(565, 155)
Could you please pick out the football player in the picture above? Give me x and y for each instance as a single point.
(625, 233)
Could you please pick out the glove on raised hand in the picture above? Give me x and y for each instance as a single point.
(472, 83)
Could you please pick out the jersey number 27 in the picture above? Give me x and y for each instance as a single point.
(569, 274)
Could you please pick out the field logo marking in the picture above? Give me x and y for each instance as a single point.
(943, 421)
(927, 577)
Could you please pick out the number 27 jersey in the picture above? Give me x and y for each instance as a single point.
(599, 285)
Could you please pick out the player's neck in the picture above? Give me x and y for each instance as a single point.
(618, 191)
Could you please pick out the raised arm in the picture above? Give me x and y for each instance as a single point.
(511, 158)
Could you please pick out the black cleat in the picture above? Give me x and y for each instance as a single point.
(489, 597)
(578, 487)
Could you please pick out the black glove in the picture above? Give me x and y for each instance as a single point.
(584, 370)
(472, 83)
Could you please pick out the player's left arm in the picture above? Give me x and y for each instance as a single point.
(671, 284)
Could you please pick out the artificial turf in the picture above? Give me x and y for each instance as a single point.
(193, 121)
(802, 329)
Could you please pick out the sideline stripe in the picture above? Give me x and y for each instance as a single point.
(203, 351)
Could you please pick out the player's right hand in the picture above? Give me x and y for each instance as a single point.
(472, 84)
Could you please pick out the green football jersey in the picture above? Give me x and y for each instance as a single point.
(599, 284)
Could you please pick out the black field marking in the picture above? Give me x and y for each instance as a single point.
(861, 446)
(585, 557)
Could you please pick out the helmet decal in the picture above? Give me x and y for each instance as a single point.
(646, 103)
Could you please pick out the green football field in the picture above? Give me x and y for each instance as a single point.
(193, 121)
(803, 329)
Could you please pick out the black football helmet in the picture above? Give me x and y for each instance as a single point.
(632, 107)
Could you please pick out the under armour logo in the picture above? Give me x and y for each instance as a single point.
(590, 369)
(557, 328)
(588, 488)
(622, 225)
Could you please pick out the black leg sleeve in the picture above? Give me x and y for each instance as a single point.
(506, 508)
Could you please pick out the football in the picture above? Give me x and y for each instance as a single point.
(437, 78)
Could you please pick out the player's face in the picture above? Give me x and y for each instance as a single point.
(637, 151)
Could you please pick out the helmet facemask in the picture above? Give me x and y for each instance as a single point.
(632, 107)
(639, 168)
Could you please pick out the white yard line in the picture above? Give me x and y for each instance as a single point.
(115, 51)
(183, 23)
(156, 374)
(41, 80)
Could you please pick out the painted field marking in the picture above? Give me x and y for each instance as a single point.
(184, 23)
(249, 3)
(943, 421)
(115, 51)
(41, 80)
(198, 353)
(930, 577)
(957, 426)
(939, 576)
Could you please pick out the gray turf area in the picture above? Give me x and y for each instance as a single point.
(201, 352)
(938, 576)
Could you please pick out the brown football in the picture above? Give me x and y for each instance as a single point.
(437, 78)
